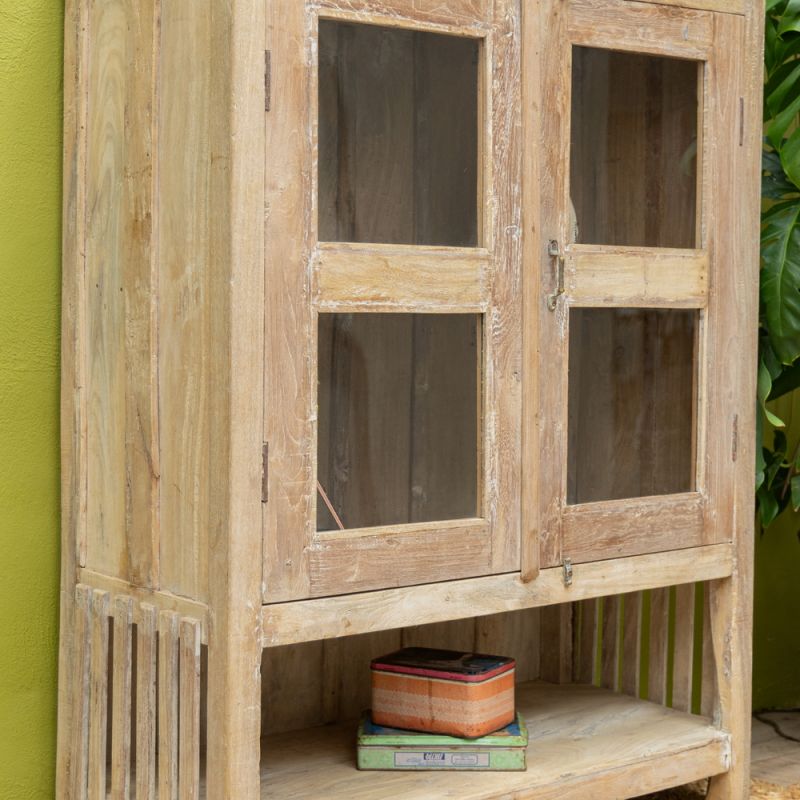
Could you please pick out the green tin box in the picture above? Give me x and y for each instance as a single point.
(392, 748)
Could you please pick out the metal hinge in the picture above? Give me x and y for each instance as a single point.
(557, 258)
(265, 472)
(567, 572)
(267, 80)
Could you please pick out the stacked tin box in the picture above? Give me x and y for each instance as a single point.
(440, 709)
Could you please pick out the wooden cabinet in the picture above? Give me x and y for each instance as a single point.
(402, 322)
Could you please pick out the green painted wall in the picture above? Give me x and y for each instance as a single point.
(30, 230)
(30, 208)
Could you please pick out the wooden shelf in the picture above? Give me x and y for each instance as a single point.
(584, 742)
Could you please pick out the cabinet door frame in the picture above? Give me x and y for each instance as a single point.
(305, 277)
(704, 278)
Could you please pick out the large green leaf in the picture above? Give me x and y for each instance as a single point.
(782, 87)
(787, 381)
(774, 183)
(780, 278)
(790, 157)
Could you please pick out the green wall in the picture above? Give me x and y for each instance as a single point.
(30, 230)
(30, 207)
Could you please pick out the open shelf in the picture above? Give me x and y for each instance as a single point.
(581, 738)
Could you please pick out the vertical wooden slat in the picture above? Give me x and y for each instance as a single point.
(657, 645)
(146, 699)
(631, 643)
(587, 641)
(684, 647)
(121, 699)
(168, 692)
(189, 748)
(80, 689)
(708, 681)
(609, 665)
(556, 643)
(186, 272)
(98, 699)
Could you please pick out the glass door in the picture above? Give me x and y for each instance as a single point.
(393, 380)
(634, 260)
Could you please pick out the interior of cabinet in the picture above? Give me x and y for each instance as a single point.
(398, 136)
(632, 403)
(398, 418)
(634, 144)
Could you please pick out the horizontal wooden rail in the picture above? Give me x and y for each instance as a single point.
(350, 277)
(310, 620)
(624, 276)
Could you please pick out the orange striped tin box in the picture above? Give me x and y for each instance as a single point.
(442, 691)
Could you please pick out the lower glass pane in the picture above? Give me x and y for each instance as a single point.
(398, 418)
(631, 403)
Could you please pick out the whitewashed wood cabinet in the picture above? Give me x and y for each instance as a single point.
(394, 322)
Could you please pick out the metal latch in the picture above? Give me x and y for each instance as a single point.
(567, 572)
(554, 251)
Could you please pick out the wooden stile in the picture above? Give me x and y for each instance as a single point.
(146, 702)
(556, 643)
(168, 699)
(122, 686)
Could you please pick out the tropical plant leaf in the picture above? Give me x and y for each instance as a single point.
(782, 87)
(787, 381)
(780, 280)
(768, 507)
(774, 183)
(790, 157)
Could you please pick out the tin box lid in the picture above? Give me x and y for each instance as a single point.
(515, 734)
(444, 664)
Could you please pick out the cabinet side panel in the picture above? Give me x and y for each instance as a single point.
(184, 314)
(122, 469)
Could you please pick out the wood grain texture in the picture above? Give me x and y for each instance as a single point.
(458, 14)
(145, 597)
(642, 28)
(238, 177)
(373, 277)
(722, 6)
(185, 374)
(732, 601)
(658, 646)
(619, 277)
(122, 468)
(617, 528)
(287, 623)
(98, 696)
(586, 641)
(189, 704)
(168, 704)
(76, 777)
(636, 747)
(610, 655)
(630, 677)
(121, 705)
(683, 653)
(367, 559)
(290, 326)
(70, 777)
(146, 702)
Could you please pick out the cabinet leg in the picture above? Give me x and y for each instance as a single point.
(731, 619)
(234, 719)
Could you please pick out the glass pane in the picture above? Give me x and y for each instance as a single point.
(398, 136)
(633, 170)
(398, 418)
(631, 403)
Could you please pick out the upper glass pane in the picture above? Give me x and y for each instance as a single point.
(398, 136)
(633, 163)
(398, 411)
(631, 403)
